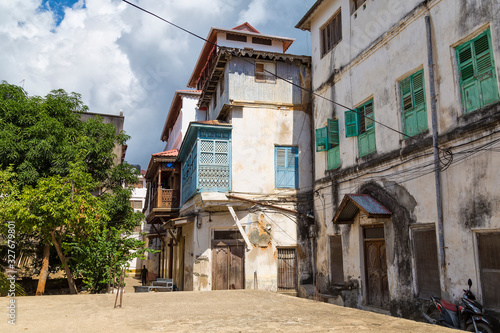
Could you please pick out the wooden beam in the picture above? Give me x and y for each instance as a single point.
(240, 228)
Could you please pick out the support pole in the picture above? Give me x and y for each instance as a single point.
(238, 223)
(439, 204)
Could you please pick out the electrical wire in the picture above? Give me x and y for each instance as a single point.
(311, 91)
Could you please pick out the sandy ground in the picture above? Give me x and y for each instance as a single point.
(216, 311)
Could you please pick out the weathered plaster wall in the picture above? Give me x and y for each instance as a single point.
(256, 132)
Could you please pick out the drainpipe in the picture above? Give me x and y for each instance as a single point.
(439, 203)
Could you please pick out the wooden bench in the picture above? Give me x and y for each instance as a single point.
(160, 285)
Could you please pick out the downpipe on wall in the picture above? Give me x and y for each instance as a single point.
(439, 203)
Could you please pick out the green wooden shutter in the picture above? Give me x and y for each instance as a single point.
(333, 158)
(351, 124)
(322, 139)
(419, 104)
(485, 69)
(413, 105)
(368, 112)
(333, 132)
(477, 72)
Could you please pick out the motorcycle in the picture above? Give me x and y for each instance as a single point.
(468, 316)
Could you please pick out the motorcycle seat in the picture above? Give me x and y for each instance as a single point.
(449, 306)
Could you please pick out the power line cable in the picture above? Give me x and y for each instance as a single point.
(360, 113)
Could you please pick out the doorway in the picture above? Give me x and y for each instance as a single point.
(377, 287)
(228, 260)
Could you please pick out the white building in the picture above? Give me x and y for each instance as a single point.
(246, 171)
(137, 200)
(392, 228)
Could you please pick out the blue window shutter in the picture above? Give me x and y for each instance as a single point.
(351, 123)
(333, 133)
(286, 175)
(321, 139)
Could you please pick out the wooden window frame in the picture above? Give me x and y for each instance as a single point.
(336, 268)
(330, 34)
(360, 122)
(290, 152)
(265, 72)
(419, 285)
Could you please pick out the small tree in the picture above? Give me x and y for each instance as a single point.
(56, 163)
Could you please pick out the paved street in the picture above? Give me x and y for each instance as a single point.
(218, 311)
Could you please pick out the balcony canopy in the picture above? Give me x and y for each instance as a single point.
(353, 203)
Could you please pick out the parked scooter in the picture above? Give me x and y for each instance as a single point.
(468, 316)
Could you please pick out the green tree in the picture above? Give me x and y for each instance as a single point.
(53, 164)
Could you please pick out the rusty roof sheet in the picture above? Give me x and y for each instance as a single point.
(353, 203)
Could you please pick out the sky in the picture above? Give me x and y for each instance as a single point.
(122, 59)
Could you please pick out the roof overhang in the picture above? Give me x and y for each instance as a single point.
(211, 42)
(305, 22)
(352, 204)
(168, 156)
(175, 108)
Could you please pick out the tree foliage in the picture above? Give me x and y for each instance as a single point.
(59, 183)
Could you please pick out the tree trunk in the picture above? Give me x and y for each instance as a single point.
(69, 276)
(44, 272)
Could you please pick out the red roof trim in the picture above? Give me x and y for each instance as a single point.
(173, 152)
(246, 27)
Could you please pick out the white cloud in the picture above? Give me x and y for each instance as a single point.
(120, 58)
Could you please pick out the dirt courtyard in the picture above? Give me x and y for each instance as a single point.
(216, 311)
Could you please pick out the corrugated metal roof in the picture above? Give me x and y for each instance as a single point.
(353, 203)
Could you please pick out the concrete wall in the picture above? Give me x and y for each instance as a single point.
(260, 262)
(383, 44)
(189, 112)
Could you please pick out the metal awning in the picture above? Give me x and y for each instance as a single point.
(353, 203)
(181, 220)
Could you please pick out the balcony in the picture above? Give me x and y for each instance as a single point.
(165, 198)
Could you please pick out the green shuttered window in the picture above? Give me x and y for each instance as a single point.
(478, 82)
(286, 170)
(360, 123)
(327, 139)
(322, 139)
(413, 105)
(328, 136)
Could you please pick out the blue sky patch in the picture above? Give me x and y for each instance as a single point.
(57, 7)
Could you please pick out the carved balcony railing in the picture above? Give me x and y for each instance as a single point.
(166, 199)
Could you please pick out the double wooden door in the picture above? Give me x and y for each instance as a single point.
(228, 263)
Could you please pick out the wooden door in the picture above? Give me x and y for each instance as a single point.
(228, 267)
(377, 286)
(287, 271)
(236, 267)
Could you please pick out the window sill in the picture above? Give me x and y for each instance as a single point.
(405, 142)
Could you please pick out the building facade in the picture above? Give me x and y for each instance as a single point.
(406, 118)
(246, 175)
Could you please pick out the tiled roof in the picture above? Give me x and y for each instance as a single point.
(143, 172)
(211, 122)
(173, 152)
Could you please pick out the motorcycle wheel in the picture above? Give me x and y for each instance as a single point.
(432, 314)
(481, 328)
